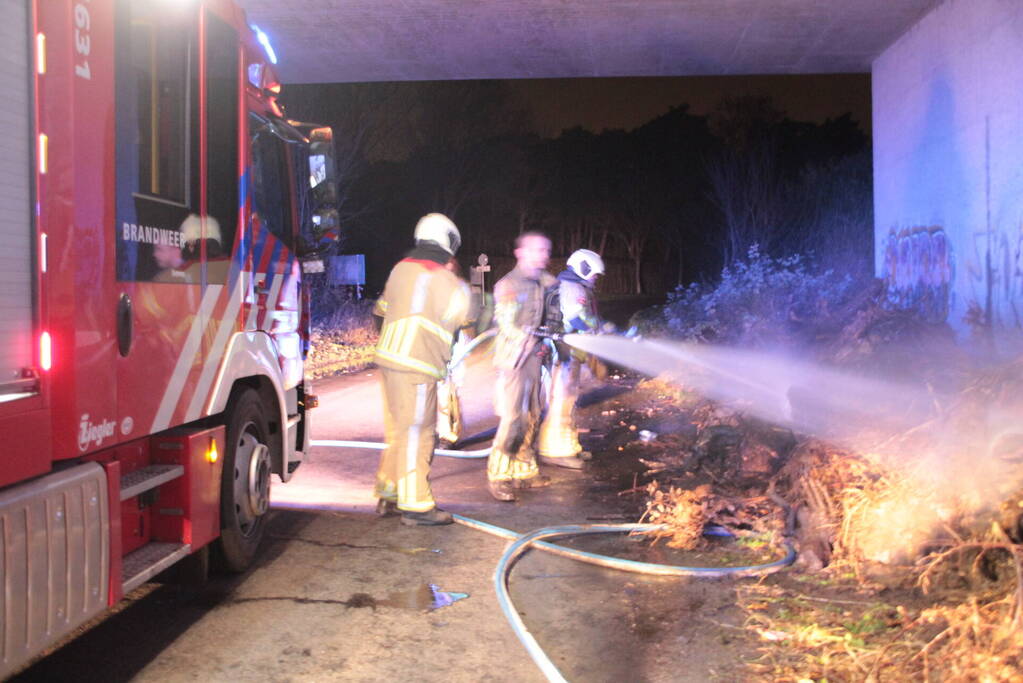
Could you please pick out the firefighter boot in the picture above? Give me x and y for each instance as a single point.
(431, 517)
(386, 508)
(537, 481)
(502, 489)
(576, 462)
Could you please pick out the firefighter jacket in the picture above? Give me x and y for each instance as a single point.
(519, 310)
(578, 303)
(423, 304)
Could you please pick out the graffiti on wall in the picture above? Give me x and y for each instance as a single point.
(994, 271)
(918, 272)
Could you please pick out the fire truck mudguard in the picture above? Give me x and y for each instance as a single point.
(252, 357)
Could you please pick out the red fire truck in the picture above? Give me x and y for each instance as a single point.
(157, 212)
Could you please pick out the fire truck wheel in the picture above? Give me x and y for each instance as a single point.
(244, 484)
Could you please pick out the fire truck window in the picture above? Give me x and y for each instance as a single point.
(157, 140)
(222, 93)
(271, 205)
(159, 60)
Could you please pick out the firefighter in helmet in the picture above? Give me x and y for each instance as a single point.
(575, 308)
(518, 310)
(424, 303)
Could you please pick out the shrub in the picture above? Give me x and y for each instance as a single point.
(354, 316)
(759, 300)
(344, 332)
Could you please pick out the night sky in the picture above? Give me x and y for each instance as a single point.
(595, 104)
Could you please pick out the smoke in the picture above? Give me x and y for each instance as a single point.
(807, 397)
(953, 456)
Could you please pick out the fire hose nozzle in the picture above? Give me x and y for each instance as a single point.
(633, 334)
(545, 333)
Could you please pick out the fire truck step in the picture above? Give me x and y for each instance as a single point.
(134, 483)
(139, 566)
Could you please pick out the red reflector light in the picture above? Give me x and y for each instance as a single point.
(45, 351)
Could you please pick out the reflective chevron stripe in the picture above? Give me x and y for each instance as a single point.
(411, 363)
(432, 327)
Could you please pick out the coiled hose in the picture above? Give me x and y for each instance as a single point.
(522, 543)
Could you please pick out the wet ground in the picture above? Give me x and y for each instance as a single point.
(339, 594)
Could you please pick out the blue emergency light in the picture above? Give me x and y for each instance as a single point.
(265, 42)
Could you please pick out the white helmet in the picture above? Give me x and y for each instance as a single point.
(438, 228)
(586, 264)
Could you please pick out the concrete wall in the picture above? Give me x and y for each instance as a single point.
(948, 165)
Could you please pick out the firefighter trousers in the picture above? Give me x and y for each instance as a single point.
(517, 404)
(559, 434)
(410, 419)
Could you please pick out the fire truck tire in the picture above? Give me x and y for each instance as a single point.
(244, 484)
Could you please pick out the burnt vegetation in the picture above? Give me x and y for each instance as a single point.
(909, 534)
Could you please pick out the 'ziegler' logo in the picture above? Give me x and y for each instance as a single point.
(93, 433)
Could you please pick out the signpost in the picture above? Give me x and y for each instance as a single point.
(477, 277)
(348, 269)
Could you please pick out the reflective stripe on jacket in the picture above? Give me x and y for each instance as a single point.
(422, 305)
(578, 307)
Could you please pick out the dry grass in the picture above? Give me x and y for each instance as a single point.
(684, 512)
(344, 336)
(957, 591)
(337, 352)
(911, 549)
(840, 627)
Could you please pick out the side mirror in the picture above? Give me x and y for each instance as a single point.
(320, 230)
(322, 233)
(322, 178)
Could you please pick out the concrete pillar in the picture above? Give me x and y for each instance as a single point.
(948, 166)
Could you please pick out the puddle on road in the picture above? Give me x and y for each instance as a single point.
(425, 598)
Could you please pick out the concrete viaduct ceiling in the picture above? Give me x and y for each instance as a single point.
(323, 41)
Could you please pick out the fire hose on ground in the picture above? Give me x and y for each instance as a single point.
(379, 446)
(521, 543)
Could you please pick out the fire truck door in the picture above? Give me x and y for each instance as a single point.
(274, 302)
(224, 249)
(174, 235)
